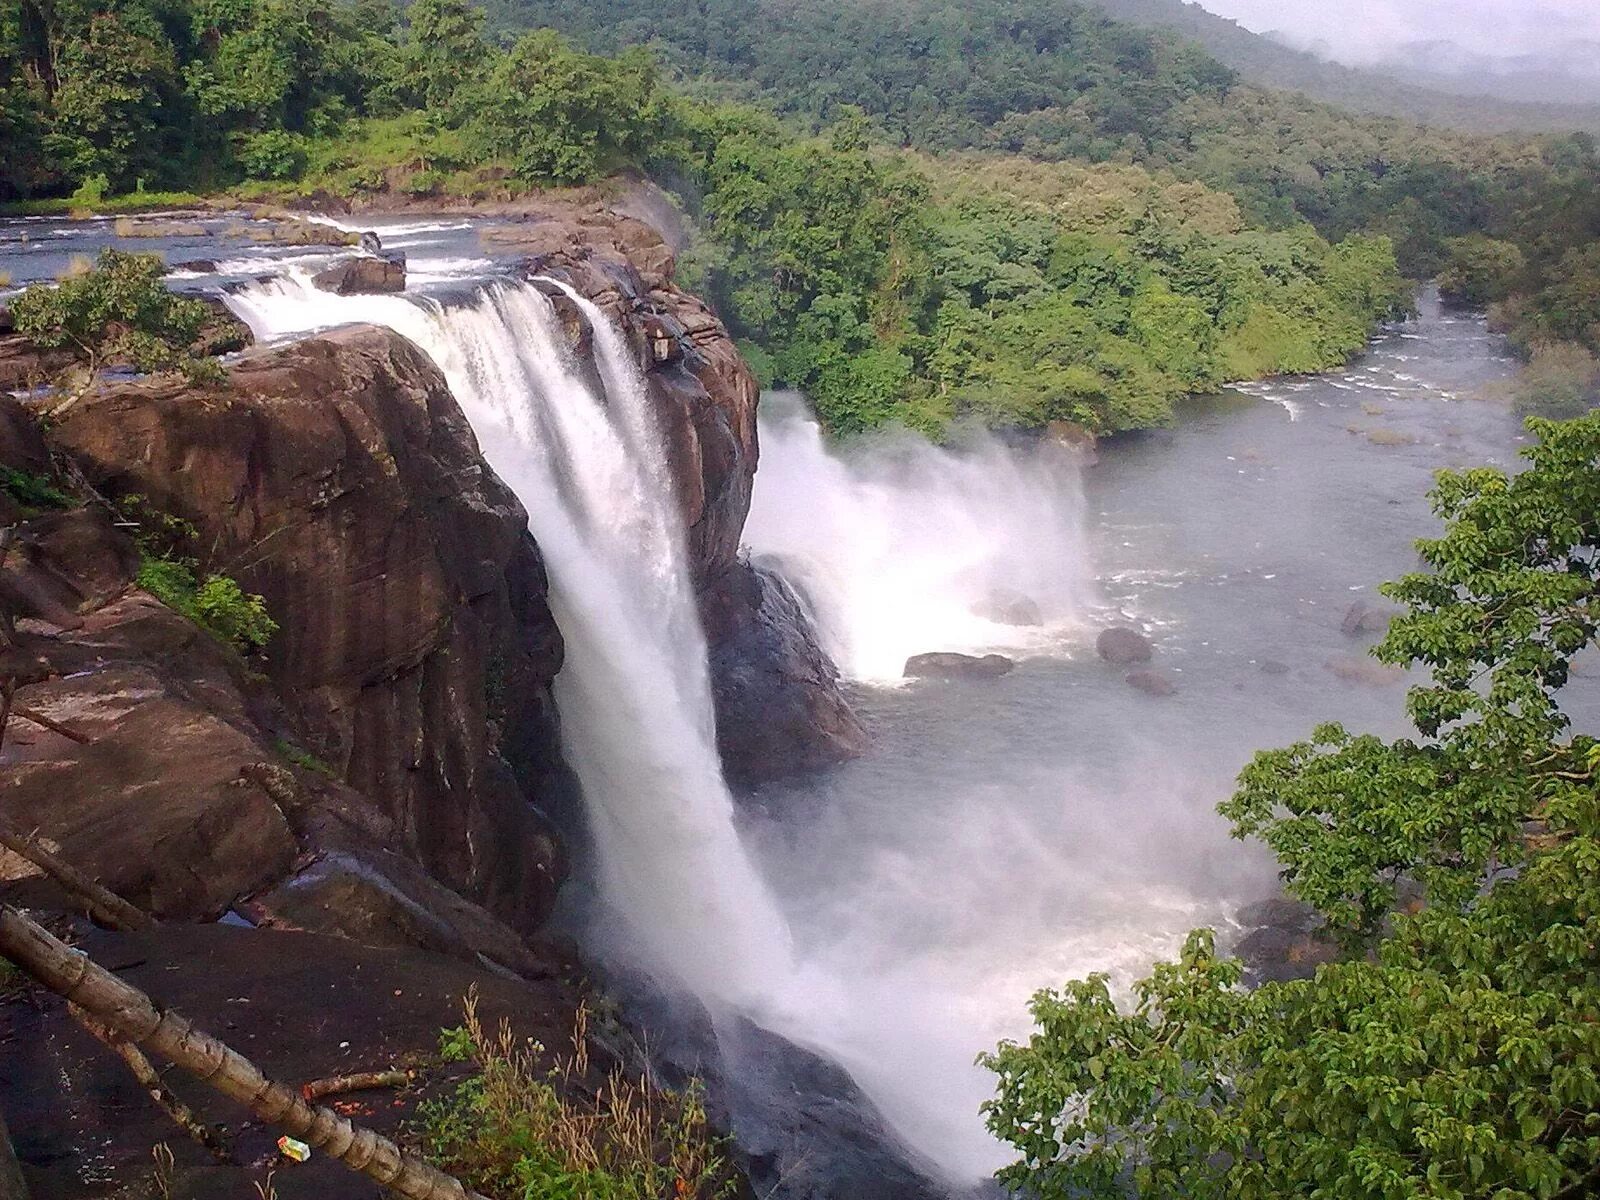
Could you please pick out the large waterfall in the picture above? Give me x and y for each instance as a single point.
(588, 463)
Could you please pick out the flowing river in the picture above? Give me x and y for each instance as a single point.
(1002, 834)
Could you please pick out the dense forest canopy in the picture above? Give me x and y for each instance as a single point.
(819, 244)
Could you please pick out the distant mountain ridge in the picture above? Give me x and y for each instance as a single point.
(1457, 97)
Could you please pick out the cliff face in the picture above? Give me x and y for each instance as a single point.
(338, 478)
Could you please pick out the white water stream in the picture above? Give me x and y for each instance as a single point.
(634, 696)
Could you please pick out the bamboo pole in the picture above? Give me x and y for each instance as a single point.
(136, 1018)
(104, 905)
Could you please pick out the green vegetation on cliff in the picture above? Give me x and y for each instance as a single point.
(1452, 1050)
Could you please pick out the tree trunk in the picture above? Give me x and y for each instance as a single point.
(103, 904)
(135, 1017)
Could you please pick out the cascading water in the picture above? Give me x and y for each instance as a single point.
(634, 695)
(902, 547)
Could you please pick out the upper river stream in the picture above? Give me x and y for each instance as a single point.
(1006, 834)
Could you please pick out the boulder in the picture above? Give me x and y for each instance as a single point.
(1365, 671)
(153, 805)
(1121, 645)
(1272, 666)
(1153, 683)
(949, 665)
(1362, 619)
(197, 266)
(364, 276)
(1011, 608)
(780, 707)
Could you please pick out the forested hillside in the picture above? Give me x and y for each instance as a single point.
(1055, 80)
(1266, 61)
(917, 288)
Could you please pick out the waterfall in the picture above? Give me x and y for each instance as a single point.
(902, 547)
(588, 463)
(637, 726)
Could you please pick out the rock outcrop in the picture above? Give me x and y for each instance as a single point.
(949, 665)
(367, 275)
(338, 478)
(779, 704)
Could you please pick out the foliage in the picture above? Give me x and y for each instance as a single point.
(1480, 270)
(303, 758)
(216, 603)
(31, 490)
(560, 116)
(1453, 1053)
(515, 1129)
(913, 289)
(118, 311)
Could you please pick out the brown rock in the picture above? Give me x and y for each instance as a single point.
(780, 709)
(342, 478)
(1365, 671)
(948, 665)
(1121, 645)
(364, 276)
(1153, 683)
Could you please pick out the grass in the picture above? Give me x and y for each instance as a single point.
(75, 206)
(514, 1129)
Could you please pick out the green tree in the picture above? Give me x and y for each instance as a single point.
(561, 116)
(119, 311)
(1454, 1051)
(444, 49)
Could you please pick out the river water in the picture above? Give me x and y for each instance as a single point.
(1003, 835)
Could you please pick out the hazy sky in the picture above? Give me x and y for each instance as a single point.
(1358, 30)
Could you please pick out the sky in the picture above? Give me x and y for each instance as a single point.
(1359, 31)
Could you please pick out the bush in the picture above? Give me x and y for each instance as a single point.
(217, 604)
(510, 1131)
(275, 154)
(116, 310)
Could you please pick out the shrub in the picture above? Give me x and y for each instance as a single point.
(274, 154)
(117, 310)
(32, 491)
(217, 604)
(509, 1130)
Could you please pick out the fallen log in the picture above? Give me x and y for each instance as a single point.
(362, 1081)
(136, 1018)
(139, 1067)
(104, 905)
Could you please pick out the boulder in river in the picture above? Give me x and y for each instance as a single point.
(1010, 608)
(1153, 683)
(364, 276)
(1368, 671)
(1361, 619)
(949, 665)
(197, 266)
(1121, 646)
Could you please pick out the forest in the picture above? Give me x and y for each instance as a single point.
(824, 148)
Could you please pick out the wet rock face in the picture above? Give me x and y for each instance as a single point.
(338, 478)
(779, 706)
